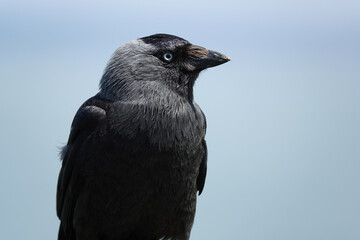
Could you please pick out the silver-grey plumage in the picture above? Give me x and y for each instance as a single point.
(136, 154)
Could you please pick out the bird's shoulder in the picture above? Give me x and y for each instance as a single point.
(90, 116)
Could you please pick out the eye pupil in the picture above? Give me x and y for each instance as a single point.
(168, 57)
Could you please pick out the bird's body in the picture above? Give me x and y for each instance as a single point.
(136, 155)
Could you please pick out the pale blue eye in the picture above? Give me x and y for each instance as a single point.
(168, 57)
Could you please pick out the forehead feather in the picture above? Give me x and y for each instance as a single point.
(165, 41)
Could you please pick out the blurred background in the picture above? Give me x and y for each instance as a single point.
(283, 116)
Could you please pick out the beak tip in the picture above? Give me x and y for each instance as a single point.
(222, 56)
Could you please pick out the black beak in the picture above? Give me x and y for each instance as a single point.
(200, 58)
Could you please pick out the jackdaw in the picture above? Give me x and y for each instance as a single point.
(136, 155)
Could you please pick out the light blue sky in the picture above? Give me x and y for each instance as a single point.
(283, 116)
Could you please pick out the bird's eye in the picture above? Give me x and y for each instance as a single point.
(168, 57)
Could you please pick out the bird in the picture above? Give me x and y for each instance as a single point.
(136, 156)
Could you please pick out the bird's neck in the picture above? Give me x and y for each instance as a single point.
(149, 91)
(186, 85)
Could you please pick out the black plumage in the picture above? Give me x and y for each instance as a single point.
(136, 154)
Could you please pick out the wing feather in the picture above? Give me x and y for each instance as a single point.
(88, 120)
(200, 181)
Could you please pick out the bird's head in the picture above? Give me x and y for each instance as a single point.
(148, 66)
